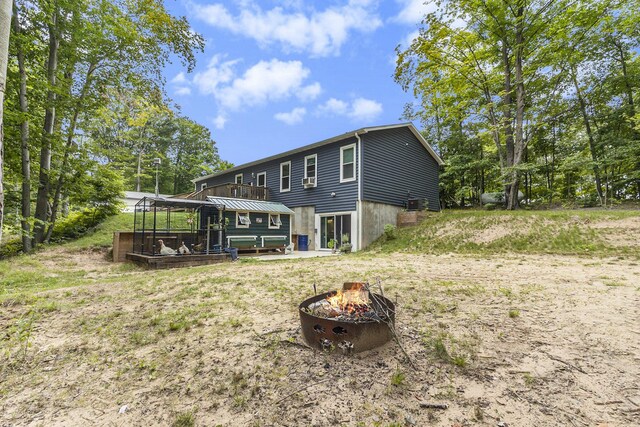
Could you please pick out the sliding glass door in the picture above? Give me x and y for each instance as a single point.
(335, 227)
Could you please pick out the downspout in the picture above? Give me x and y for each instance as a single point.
(359, 202)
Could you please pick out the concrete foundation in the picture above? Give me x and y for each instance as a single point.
(303, 222)
(374, 218)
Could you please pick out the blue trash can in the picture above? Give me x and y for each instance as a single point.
(233, 252)
(303, 242)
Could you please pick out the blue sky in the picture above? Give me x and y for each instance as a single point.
(276, 75)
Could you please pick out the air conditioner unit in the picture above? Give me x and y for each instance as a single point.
(309, 182)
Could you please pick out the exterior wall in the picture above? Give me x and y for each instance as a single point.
(374, 217)
(396, 167)
(258, 229)
(303, 222)
(328, 180)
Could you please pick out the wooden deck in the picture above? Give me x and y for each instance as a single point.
(174, 261)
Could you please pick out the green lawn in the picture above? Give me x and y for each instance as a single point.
(567, 232)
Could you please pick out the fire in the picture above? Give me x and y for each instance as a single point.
(355, 299)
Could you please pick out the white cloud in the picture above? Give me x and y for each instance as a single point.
(320, 33)
(360, 109)
(273, 80)
(295, 116)
(365, 109)
(217, 73)
(179, 78)
(220, 121)
(183, 90)
(413, 11)
(334, 107)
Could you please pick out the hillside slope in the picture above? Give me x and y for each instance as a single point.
(610, 233)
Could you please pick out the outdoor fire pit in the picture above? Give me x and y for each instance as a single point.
(351, 320)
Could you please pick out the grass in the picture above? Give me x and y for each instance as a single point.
(102, 235)
(525, 232)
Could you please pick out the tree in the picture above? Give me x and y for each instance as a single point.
(508, 63)
(91, 46)
(5, 25)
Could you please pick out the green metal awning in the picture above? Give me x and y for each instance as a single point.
(246, 205)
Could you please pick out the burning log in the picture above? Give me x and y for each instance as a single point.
(351, 320)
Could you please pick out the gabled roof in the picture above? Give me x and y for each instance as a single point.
(360, 131)
(247, 205)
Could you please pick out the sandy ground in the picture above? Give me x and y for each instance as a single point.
(510, 341)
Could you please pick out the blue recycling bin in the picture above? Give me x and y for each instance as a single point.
(303, 242)
(233, 252)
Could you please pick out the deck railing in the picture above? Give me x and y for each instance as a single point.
(238, 191)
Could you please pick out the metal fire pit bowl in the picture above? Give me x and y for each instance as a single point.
(348, 337)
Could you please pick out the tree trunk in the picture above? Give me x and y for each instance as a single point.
(67, 150)
(587, 125)
(507, 100)
(5, 26)
(42, 200)
(24, 139)
(139, 171)
(519, 143)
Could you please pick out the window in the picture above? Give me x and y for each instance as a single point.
(262, 179)
(239, 178)
(348, 163)
(311, 169)
(285, 176)
(203, 186)
(243, 220)
(274, 221)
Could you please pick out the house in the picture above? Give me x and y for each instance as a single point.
(345, 187)
(131, 198)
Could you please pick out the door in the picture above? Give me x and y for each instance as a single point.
(335, 227)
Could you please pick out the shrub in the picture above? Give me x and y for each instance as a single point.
(390, 231)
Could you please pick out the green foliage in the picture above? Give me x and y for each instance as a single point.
(567, 142)
(390, 231)
(398, 378)
(184, 419)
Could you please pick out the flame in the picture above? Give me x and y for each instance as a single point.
(350, 300)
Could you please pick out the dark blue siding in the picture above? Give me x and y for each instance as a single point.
(397, 166)
(328, 180)
(258, 229)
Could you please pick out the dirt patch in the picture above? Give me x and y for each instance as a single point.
(524, 340)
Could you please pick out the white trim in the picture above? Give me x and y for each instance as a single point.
(235, 180)
(342, 150)
(278, 222)
(203, 186)
(258, 179)
(284, 190)
(357, 243)
(315, 175)
(238, 223)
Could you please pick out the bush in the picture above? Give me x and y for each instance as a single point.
(10, 248)
(489, 207)
(390, 231)
(78, 223)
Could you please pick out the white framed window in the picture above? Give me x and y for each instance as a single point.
(348, 163)
(243, 220)
(261, 179)
(274, 221)
(310, 170)
(239, 178)
(285, 176)
(203, 186)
